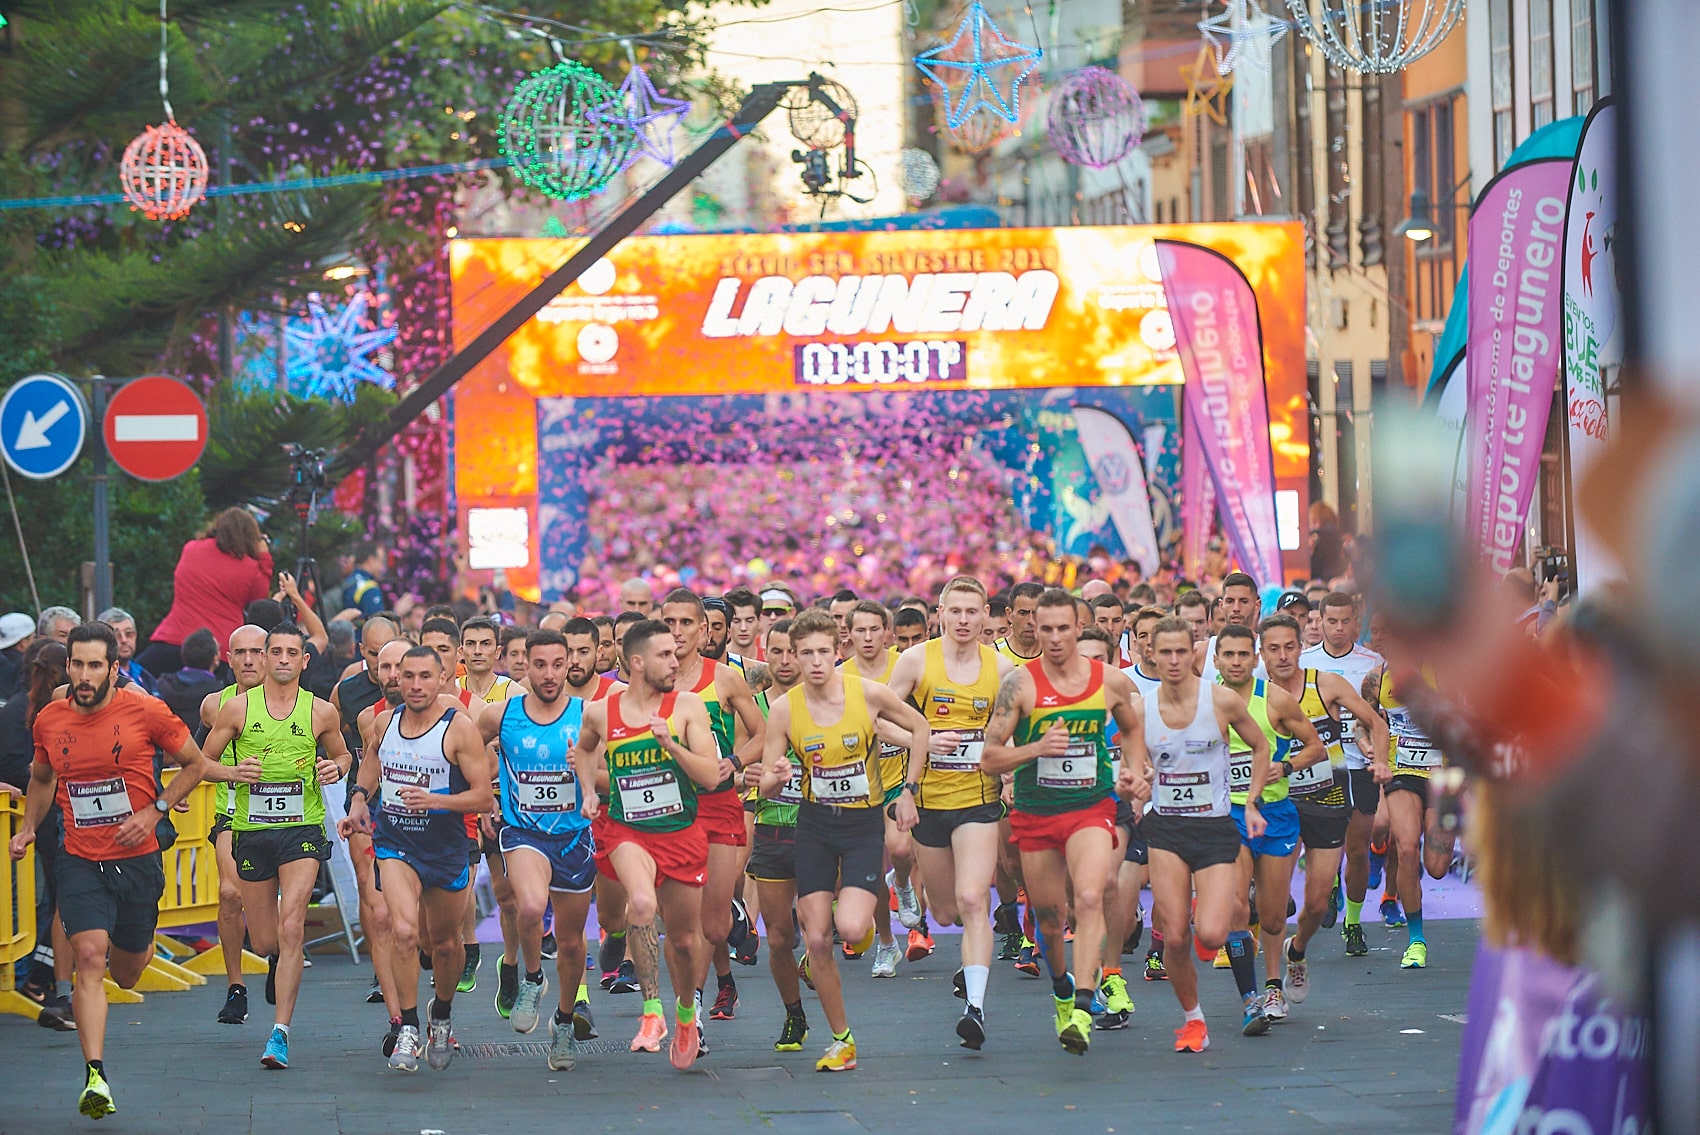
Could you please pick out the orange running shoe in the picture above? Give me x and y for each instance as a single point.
(1192, 1037)
(1204, 953)
(803, 971)
(683, 1053)
(920, 945)
(652, 1030)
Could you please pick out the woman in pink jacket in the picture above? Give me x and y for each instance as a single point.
(217, 576)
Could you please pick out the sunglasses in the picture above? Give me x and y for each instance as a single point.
(776, 610)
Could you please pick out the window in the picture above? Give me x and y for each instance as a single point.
(1432, 167)
(1581, 56)
(1541, 99)
(1499, 37)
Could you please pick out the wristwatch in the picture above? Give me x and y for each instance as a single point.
(1288, 765)
(160, 805)
(914, 788)
(365, 793)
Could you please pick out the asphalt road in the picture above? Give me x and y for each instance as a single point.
(1373, 1049)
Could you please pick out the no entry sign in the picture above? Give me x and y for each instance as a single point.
(155, 428)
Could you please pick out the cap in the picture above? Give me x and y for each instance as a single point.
(716, 603)
(773, 597)
(1291, 599)
(14, 628)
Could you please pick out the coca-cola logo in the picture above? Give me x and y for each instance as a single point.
(1589, 416)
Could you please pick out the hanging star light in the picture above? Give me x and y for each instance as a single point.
(1206, 90)
(651, 116)
(330, 356)
(1242, 33)
(969, 68)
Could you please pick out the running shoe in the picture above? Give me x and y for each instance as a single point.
(1068, 933)
(1130, 944)
(803, 971)
(1353, 933)
(468, 976)
(405, 1056)
(563, 1045)
(1010, 948)
(652, 1030)
(1118, 1005)
(57, 1015)
(375, 994)
(1192, 1036)
(685, 1047)
(1391, 915)
(96, 1100)
(1154, 970)
(885, 959)
(1222, 960)
(1074, 1027)
(701, 1020)
(1275, 1004)
(725, 1004)
(523, 1017)
(854, 950)
(507, 988)
(1416, 956)
(1006, 919)
(439, 1040)
(1377, 864)
(276, 1055)
(792, 1034)
(625, 978)
(748, 950)
(959, 985)
(271, 980)
(840, 1057)
(611, 953)
(1201, 950)
(584, 1025)
(971, 1027)
(1027, 961)
(920, 945)
(1336, 903)
(387, 1045)
(908, 903)
(1298, 976)
(235, 1009)
(549, 946)
(1255, 1024)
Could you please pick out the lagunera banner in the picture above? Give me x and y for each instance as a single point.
(1198, 499)
(1220, 340)
(1513, 351)
(1593, 337)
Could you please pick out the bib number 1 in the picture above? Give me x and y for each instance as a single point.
(98, 803)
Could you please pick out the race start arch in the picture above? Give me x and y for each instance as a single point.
(711, 348)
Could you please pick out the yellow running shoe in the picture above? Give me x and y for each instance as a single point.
(1416, 956)
(1222, 961)
(96, 1100)
(1074, 1027)
(840, 1057)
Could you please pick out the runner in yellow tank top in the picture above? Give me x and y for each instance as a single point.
(873, 659)
(830, 722)
(954, 680)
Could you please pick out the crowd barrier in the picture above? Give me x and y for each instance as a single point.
(17, 911)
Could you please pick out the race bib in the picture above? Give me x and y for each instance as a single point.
(1184, 794)
(397, 775)
(1416, 752)
(98, 803)
(1115, 763)
(1330, 731)
(840, 784)
(1239, 772)
(1348, 725)
(791, 792)
(277, 802)
(965, 757)
(545, 790)
(1076, 768)
(1311, 780)
(649, 795)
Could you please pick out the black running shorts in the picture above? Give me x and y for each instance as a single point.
(839, 847)
(119, 896)
(1200, 841)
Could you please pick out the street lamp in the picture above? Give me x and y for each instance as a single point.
(1419, 226)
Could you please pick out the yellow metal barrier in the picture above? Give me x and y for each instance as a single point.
(190, 898)
(17, 911)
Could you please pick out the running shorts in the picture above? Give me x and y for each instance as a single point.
(720, 815)
(1366, 793)
(259, 854)
(119, 896)
(1137, 851)
(1281, 833)
(437, 872)
(571, 857)
(681, 856)
(773, 854)
(1033, 833)
(1323, 831)
(935, 825)
(1405, 782)
(839, 847)
(221, 823)
(1199, 841)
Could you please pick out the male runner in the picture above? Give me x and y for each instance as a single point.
(605, 649)
(1020, 646)
(742, 624)
(773, 847)
(431, 770)
(653, 748)
(479, 654)
(1268, 859)
(1135, 869)
(513, 653)
(908, 628)
(1340, 654)
(1111, 617)
(1194, 609)
(997, 620)
(478, 687)
(830, 722)
(1320, 791)
(842, 603)
(716, 631)
(954, 679)
(777, 602)
(94, 754)
(1022, 643)
(440, 633)
(1047, 728)
(279, 813)
(738, 725)
(636, 597)
(1190, 830)
(1240, 605)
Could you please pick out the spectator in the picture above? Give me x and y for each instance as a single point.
(56, 623)
(215, 577)
(1327, 542)
(123, 625)
(184, 689)
(17, 631)
(360, 588)
(326, 670)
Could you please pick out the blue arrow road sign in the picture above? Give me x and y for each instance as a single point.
(43, 424)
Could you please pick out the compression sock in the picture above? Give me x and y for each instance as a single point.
(1354, 912)
(1240, 959)
(1414, 923)
(686, 1013)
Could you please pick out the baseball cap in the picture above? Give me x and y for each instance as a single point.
(14, 628)
(1290, 600)
(775, 598)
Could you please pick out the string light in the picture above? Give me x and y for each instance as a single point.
(565, 132)
(964, 72)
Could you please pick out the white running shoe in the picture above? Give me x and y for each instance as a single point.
(1298, 976)
(405, 1056)
(885, 959)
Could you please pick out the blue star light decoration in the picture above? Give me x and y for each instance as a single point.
(651, 117)
(329, 356)
(967, 73)
(1252, 42)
